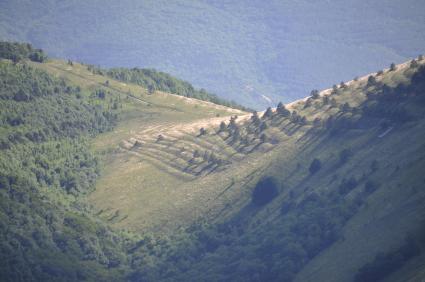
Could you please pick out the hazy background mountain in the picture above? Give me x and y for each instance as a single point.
(240, 50)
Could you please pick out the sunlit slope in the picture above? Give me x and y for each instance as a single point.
(136, 183)
(170, 175)
(171, 163)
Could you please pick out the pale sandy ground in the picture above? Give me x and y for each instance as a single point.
(179, 129)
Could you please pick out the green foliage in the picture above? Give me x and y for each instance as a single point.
(19, 51)
(385, 264)
(371, 80)
(314, 94)
(156, 80)
(370, 187)
(265, 191)
(347, 185)
(45, 165)
(315, 166)
(281, 110)
(222, 127)
(345, 155)
(268, 113)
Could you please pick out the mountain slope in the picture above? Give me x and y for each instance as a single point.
(239, 51)
(366, 134)
(50, 113)
(138, 186)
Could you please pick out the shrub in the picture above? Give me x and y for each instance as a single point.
(263, 138)
(317, 122)
(347, 185)
(315, 166)
(345, 107)
(371, 80)
(281, 110)
(196, 154)
(414, 64)
(385, 264)
(202, 131)
(393, 67)
(345, 155)
(19, 51)
(151, 89)
(370, 187)
(222, 126)
(314, 94)
(265, 191)
(263, 126)
(374, 166)
(268, 113)
(254, 118)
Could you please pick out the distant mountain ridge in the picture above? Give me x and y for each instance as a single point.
(238, 51)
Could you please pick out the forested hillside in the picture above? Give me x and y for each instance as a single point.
(48, 167)
(155, 80)
(104, 179)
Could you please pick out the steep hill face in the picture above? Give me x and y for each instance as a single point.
(239, 51)
(343, 186)
(50, 113)
(103, 179)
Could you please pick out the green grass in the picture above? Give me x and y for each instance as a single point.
(154, 191)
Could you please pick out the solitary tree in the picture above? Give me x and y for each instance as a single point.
(308, 102)
(345, 155)
(326, 100)
(232, 123)
(315, 166)
(334, 102)
(346, 107)
(281, 110)
(317, 122)
(206, 156)
(263, 138)
(371, 80)
(393, 67)
(222, 126)
(196, 154)
(151, 89)
(414, 64)
(160, 138)
(263, 126)
(254, 118)
(314, 93)
(265, 191)
(268, 113)
(202, 131)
